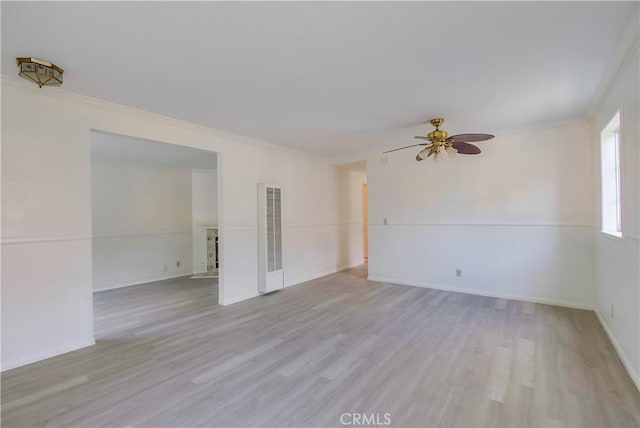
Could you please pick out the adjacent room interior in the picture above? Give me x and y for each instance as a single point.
(154, 230)
(320, 214)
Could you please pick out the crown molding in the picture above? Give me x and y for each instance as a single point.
(627, 47)
(77, 97)
(540, 127)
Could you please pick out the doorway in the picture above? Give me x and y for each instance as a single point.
(154, 207)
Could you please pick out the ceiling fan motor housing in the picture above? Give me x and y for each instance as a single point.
(437, 135)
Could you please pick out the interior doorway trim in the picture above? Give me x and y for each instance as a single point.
(365, 221)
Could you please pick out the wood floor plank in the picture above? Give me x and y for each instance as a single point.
(167, 355)
(43, 393)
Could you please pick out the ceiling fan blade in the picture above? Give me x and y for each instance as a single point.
(406, 147)
(469, 138)
(466, 148)
(424, 153)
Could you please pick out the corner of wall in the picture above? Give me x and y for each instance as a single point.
(625, 361)
(48, 354)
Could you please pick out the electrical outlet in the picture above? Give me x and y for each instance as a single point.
(385, 221)
(177, 264)
(459, 273)
(611, 310)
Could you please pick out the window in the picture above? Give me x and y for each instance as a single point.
(610, 164)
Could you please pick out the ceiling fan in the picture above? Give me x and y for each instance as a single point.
(439, 140)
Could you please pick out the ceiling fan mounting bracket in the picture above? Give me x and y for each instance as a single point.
(437, 121)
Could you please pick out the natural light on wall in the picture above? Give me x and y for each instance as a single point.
(610, 165)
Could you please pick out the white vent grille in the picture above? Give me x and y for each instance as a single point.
(270, 238)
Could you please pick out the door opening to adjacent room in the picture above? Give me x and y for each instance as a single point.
(355, 199)
(155, 247)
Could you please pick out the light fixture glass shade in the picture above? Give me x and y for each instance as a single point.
(424, 153)
(43, 73)
(437, 156)
(451, 151)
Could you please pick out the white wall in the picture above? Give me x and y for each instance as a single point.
(204, 197)
(351, 206)
(46, 216)
(141, 223)
(516, 219)
(46, 212)
(617, 260)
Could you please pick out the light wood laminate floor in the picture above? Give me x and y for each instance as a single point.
(168, 356)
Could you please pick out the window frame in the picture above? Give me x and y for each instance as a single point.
(613, 129)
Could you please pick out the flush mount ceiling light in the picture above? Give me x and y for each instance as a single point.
(439, 140)
(43, 73)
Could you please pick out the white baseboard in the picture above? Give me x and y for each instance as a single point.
(325, 273)
(228, 302)
(146, 280)
(351, 266)
(310, 278)
(618, 348)
(49, 354)
(545, 301)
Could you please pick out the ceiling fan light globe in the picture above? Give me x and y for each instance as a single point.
(451, 151)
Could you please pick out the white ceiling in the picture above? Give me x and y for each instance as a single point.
(116, 147)
(334, 77)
